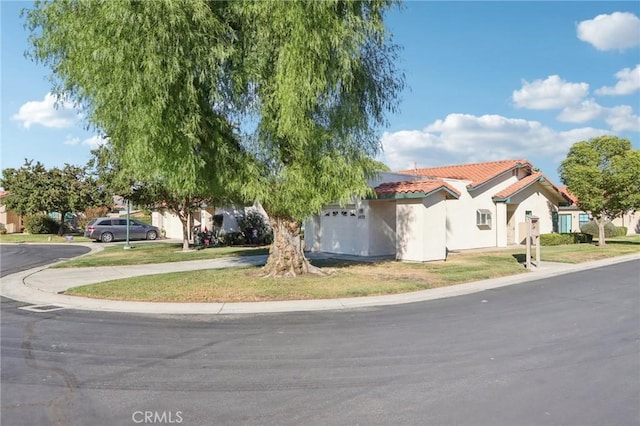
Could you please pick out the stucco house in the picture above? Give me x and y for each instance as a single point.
(421, 214)
(11, 220)
(205, 218)
(571, 217)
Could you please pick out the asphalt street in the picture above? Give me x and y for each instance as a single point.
(18, 257)
(558, 351)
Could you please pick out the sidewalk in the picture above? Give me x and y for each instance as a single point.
(41, 286)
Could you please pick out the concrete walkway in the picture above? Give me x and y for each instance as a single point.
(42, 285)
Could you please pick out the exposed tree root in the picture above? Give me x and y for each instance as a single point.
(286, 255)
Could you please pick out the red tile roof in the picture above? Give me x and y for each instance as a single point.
(417, 187)
(3, 193)
(477, 173)
(524, 183)
(573, 200)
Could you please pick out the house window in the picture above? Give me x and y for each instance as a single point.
(483, 218)
(583, 218)
(528, 213)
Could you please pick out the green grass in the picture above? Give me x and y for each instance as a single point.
(157, 252)
(577, 253)
(40, 238)
(350, 279)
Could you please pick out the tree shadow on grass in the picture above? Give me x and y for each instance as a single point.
(520, 257)
(625, 243)
(334, 263)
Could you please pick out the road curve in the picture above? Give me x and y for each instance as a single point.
(563, 350)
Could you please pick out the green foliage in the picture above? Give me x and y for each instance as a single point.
(621, 231)
(175, 84)
(41, 224)
(158, 87)
(603, 174)
(3, 229)
(232, 239)
(322, 87)
(591, 228)
(254, 220)
(34, 189)
(562, 239)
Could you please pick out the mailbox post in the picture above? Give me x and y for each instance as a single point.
(533, 236)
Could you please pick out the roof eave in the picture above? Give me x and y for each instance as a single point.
(481, 184)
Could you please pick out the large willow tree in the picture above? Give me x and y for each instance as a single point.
(167, 80)
(320, 76)
(152, 75)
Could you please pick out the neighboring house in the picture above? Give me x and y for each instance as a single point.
(571, 217)
(207, 217)
(421, 214)
(10, 219)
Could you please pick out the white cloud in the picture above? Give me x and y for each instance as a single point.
(551, 93)
(581, 113)
(45, 113)
(622, 118)
(620, 30)
(92, 142)
(71, 140)
(463, 138)
(628, 82)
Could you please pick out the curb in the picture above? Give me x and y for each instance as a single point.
(14, 287)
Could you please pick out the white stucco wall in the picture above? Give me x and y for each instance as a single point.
(535, 199)
(420, 228)
(382, 227)
(631, 220)
(462, 230)
(173, 227)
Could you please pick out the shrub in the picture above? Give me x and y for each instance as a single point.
(621, 231)
(3, 229)
(41, 224)
(254, 220)
(231, 239)
(592, 229)
(561, 239)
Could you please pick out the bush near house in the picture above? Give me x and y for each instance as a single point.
(254, 220)
(3, 229)
(592, 229)
(562, 239)
(621, 231)
(41, 224)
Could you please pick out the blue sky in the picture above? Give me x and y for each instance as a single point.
(485, 81)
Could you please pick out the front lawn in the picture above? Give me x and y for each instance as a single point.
(350, 279)
(156, 252)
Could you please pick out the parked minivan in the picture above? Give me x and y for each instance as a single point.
(107, 229)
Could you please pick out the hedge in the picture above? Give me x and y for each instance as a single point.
(40, 224)
(562, 239)
(592, 228)
(621, 231)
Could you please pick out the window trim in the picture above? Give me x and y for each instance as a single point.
(484, 218)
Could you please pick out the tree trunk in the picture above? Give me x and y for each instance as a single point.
(184, 220)
(601, 239)
(286, 254)
(61, 228)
